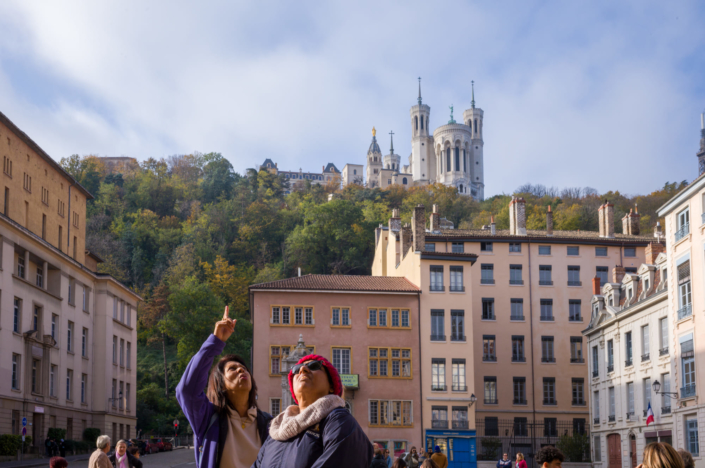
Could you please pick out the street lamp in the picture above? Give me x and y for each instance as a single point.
(473, 399)
(657, 386)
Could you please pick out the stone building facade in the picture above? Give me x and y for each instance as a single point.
(68, 339)
(328, 174)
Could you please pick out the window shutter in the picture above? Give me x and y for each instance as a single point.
(684, 272)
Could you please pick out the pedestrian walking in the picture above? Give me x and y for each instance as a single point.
(229, 429)
(422, 455)
(54, 448)
(47, 446)
(429, 463)
(99, 458)
(399, 463)
(412, 458)
(317, 430)
(521, 463)
(62, 448)
(58, 462)
(134, 451)
(122, 458)
(438, 457)
(505, 462)
(549, 457)
(387, 458)
(378, 460)
(687, 458)
(661, 455)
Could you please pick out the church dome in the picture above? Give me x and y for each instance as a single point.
(374, 147)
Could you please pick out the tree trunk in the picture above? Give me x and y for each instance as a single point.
(166, 376)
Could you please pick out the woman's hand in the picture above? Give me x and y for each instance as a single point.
(224, 328)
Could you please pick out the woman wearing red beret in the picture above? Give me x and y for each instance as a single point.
(318, 431)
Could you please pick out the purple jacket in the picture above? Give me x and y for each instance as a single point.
(199, 411)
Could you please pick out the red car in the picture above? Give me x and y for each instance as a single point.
(151, 446)
(163, 444)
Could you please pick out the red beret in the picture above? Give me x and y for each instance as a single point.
(58, 462)
(332, 372)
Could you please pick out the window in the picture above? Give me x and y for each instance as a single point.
(545, 275)
(84, 379)
(485, 246)
(276, 354)
(36, 318)
(392, 413)
(574, 276)
(438, 375)
(128, 355)
(27, 185)
(597, 449)
(340, 317)
(663, 327)
(576, 349)
(115, 348)
(457, 325)
(610, 356)
(544, 250)
(491, 426)
(437, 325)
(691, 435)
(490, 390)
(372, 317)
(601, 272)
(458, 247)
(611, 402)
(121, 399)
(547, 310)
(573, 250)
(628, 349)
(458, 369)
(517, 309)
(549, 391)
(384, 318)
(275, 405)
(84, 342)
(16, 315)
(35, 384)
(547, 349)
(430, 247)
(600, 251)
(647, 394)
(596, 406)
(682, 224)
(7, 166)
(515, 274)
(645, 354)
(684, 292)
(550, 428)
(20, 266)
(16, 371)
(521, 427)
(128, 314)
(514, 247)
(308, 315)
(127, 402)
(61, 208)
(341, 360)
(69, 378)
(630, 270)
(456, 278)
(578, 392)
(519, 390)
(574, 314)
(488, 309)
(298, 315)
(437, 278)
(518, 349)
(665, 390)
(630, 251)
(122, 353)
(460, 417)
(595, 362)
(489, 351)
(389, 362)
(69, 338)
(40, 277)
(487, 273)
(53, 370)
(439, 417)
(71, 286)
(115, 308)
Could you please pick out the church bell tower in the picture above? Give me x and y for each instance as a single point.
(423, 168)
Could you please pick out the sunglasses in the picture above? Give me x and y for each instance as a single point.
(312, 366)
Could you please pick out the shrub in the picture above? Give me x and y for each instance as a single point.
(10, 444)
(491, 446)
(56, 433)
(90, 435)
(576, 448)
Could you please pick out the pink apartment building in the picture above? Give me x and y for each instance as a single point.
(368, 327)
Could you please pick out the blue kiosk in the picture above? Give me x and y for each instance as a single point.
(457, 445)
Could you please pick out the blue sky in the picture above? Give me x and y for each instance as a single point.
(602, 94)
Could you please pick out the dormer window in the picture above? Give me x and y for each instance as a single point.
(611, 301)
(629, 293)
(646, 284)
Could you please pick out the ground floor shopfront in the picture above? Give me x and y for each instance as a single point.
(458, 445)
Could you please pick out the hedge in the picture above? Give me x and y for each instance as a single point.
(10, 444)
(91, 434)
(56, 433)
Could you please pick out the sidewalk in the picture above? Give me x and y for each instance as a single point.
(42, 461)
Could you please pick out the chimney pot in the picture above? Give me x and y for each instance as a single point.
(618, 273)
(435, 220)
(652, 251)
(419, 228)
(549, 221)
(493, 228)
(517, 216)
(596, 285)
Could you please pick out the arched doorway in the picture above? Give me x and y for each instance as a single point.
(614, 450)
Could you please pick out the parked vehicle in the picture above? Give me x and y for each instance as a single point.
(141, 445)
(151, 446)
(163, 445)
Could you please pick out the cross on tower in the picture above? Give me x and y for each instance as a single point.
(392, 140)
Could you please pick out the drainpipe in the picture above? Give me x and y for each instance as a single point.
(68, 231)
(418, 303)
(531, 333)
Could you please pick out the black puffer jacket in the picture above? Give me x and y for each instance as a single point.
(336, 442)
(378, 462)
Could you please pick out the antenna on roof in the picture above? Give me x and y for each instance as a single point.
(419, 90)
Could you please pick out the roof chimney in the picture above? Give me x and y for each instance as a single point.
(435, 224)
(493, 228)
(596, 286)
(652, 251)
(618, 273)
(634, 228)
(405, 239)
(395, 221)
(606, 213)
(549, 221)
(419, 228)
(517, 217)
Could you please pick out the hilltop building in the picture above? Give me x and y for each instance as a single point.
(328, 174)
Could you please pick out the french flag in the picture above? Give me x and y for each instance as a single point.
(649, 415)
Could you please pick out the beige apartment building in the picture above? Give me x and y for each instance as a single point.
(67, 333)
(685, 243)
(368, 327)
(523, 314)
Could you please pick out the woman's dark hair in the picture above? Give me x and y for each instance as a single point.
(549, 453)
(58, 462)
(216, 383)
(133, 450)
(399, 463)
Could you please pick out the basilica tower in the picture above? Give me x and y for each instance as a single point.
(473, 118)
(423, 167)
(374, 162)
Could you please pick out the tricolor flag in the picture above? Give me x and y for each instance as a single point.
(649, 415)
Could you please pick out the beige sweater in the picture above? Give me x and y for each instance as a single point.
(99, 460)
(293, 421)
(242, 442)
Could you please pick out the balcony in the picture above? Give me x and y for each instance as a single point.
(611, 418)
(486, 281)
(628, 362)
(688, 391)
(578, 402)
(663, 351)
(645, 357)
(520, 401)
(491, 401)
(439, 388)
(632, 417)
(547, 318)
(685, 311)
(457, 288)
(610, 368)
(489, 358)
(516, 282)
(645, 411)
(457, 337)
(438, 337)
(575, 318)
(575, 283)
(459, 388)
(577, 360)
(596, 421)
(665, 410)
(682, 232)
(595, 373)
(549, 402)
(516, 317)
(516, 358)
(545, 283)
(435, 287)
(548, 359)
(488, 317)
(439, 423)
(460, 424)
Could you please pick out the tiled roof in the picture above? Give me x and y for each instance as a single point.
(341, 283)
(331, 168)
(533, 235)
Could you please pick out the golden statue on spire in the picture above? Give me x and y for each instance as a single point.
(374, 132)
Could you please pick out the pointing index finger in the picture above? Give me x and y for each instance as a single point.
(225, 315)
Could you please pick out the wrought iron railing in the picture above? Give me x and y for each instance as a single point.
(547, 318)
(682, 232)
(628, 362)
(577, 360)
(457, 288)
(520, 401)
(550, 401)
(516, 317)
(460, 424)
(663, 351)
(517, 358)
(489, 357)
(545, 283)
(575, 283)
(439, 423)
(685, 311)
(596, 420)
(486, 281)
(611, 418)
(610, 368)
(438, 337)
(459, 388)
(491, 401)
(516, 281)
(645, 357)
(439, 388)
(665, 410)
(688, 391)
(437, 287)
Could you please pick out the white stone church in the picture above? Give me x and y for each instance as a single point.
(451, 155)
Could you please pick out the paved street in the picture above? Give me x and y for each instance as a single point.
(183, 458)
